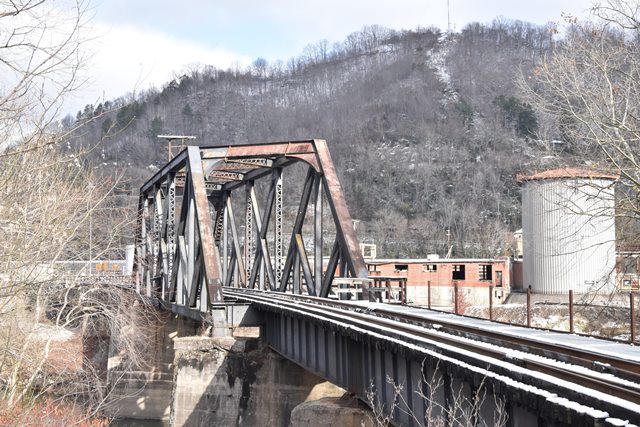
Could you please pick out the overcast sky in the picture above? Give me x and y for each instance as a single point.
(143, 43)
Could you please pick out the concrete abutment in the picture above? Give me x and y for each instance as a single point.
(190, 378)
(228, 381)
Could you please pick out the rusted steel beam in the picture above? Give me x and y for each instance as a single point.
(338, 205)
(195, 280)
(259, 150)
(297, 287)
(180, 237)
(235, 239)
(259, 173)
(175, 164)
(216, 202)
(179, 280)
(277, 178)
(297, 229)
(258, 158)
(190, 234)
(262, 251)
(249, 234)
(244, 163)
(225, 175)
(331, 270)
(233, 166)
(306, 268)
(225, 236)
(170, 229)
(148, 260)
(318, 241)
(210, 257)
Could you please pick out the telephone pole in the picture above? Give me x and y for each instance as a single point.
(171, 138)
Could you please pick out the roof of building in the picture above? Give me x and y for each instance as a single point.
(568, 173)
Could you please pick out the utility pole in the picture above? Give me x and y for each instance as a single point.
(449, 247)
(171, 138)
(448, 18)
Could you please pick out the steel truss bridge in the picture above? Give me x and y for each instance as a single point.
(216, 231)
(189, 240)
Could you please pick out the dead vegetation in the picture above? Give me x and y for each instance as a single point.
(609, 321)
(462, 407)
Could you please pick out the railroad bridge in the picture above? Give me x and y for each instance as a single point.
(218, 242)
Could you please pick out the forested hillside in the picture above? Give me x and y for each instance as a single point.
(426, 128)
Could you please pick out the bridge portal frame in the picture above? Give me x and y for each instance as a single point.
(187, 242)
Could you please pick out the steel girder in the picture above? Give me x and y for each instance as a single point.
(189, 243)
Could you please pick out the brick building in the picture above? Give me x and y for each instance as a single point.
(472, 276)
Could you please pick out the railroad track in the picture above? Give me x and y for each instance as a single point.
(562, 369)
(618, 366)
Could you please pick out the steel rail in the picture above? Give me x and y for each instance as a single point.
(609, 384)
(623, 368)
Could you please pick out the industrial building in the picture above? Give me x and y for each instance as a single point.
(568, 227)
(473, 277)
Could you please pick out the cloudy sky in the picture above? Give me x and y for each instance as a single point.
(143, 43)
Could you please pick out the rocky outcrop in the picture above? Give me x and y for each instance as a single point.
(345, 411)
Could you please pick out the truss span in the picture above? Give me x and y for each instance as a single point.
(216, 217)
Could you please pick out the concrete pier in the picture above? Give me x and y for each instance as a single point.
(191, 379)
(227, 381)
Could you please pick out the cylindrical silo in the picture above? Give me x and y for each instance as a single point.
(568, 227)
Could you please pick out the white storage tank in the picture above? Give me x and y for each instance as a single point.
(568, 227)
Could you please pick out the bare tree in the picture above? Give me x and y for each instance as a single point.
(462, 409)
(40, 57)
(623, 13)
(53, 209)
(590, 87)
(50, 206)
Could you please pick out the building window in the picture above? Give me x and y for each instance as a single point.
(401, 267)
(430, 268)
(484, 272)
(372, 267)
(458, 272)
(629, 265)
(629, 284)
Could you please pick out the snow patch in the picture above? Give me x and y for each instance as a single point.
(437, 59)
(45, 332)
(617, 422)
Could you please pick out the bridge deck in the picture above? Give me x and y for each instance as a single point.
(357, 343)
